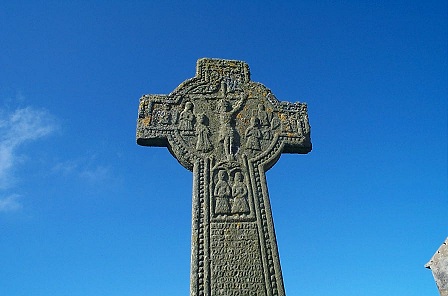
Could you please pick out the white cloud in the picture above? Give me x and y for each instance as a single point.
(68, 167)
(10, 203)
(96, 174)
(6, 161)
(17, 128)
(85, 168)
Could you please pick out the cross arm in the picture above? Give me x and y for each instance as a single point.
(156, 118)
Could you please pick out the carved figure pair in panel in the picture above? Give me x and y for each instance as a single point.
(230, 195)
(196, 125)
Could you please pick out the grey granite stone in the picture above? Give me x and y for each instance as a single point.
(229, 131)
(439, 267)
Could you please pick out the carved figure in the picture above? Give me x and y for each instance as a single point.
(142, 109)
(299, 126)
(222, 194)
(286, 123)
(186, 119)
(306, 123)
(164, 115)
(227, 124)
(265, 124)
(275, 122)
(203, 132)
(239, 192)
(253, 135)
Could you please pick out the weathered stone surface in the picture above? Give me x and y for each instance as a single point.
(229, 131)
(439, 267)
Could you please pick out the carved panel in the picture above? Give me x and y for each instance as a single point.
(236, 264)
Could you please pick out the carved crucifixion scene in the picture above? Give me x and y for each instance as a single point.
(229, 131)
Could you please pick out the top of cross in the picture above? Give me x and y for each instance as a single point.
(221, 114)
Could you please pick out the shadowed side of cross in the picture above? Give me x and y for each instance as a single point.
(229, 131)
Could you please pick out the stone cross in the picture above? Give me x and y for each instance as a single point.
(229, 131)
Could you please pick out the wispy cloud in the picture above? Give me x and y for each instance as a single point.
(18, 127)
(10, 203)
(86, 169)
(96, 174)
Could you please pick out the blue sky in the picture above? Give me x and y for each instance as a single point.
(85, 211)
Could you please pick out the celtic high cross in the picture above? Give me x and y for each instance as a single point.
(229, 131)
